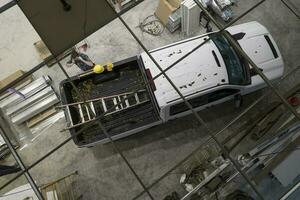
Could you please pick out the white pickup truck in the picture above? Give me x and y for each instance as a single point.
(212, 74)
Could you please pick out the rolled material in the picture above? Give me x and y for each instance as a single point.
(27, 102)
(27, 91)
(36, 108)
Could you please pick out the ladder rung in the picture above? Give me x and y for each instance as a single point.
(69, 115)
(104, 106)
(115, 103)
(98, 99)
(93, 109)
(87, 111)
(127, 107)
(115, 99)
(126, 101)
(136, 98)
(121, 105)
(81, 113)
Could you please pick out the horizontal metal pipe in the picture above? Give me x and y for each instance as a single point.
(5, 130)
(240, 51)
(256, 68)
(31, 111)
(216, 134)
(25, 75)
(84, 128)
(29, 90)
(20, 107)
(204, 42)
(290, 8)
(188, 104)
(7, 6)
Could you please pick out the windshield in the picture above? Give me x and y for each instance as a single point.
(235, 68)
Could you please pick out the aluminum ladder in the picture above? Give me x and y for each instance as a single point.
(98, 106)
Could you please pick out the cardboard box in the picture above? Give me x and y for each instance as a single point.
(165, 9)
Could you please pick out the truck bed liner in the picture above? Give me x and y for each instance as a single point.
(128, 77)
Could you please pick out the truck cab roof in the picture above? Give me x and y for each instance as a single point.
(201, 70)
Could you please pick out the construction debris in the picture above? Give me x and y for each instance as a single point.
(152, 26)
(205, 178)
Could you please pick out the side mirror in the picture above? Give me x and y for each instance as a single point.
(238, 100)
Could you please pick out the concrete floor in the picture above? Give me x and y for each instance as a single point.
(102, 172)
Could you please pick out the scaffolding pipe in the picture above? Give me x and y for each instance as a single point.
(5, 129)
(199, 119)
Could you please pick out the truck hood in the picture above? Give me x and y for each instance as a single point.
(202, 69)
(257, 49)
(260, 46)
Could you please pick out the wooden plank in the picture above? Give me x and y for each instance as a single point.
(40, 117)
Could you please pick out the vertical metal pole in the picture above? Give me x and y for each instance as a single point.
(256, 68)
(200, 120)
(82, 98)
(290, 8)
(5, 128)
(240, 51)
(7, 6)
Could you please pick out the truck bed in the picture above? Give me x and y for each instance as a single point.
(127, 76)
